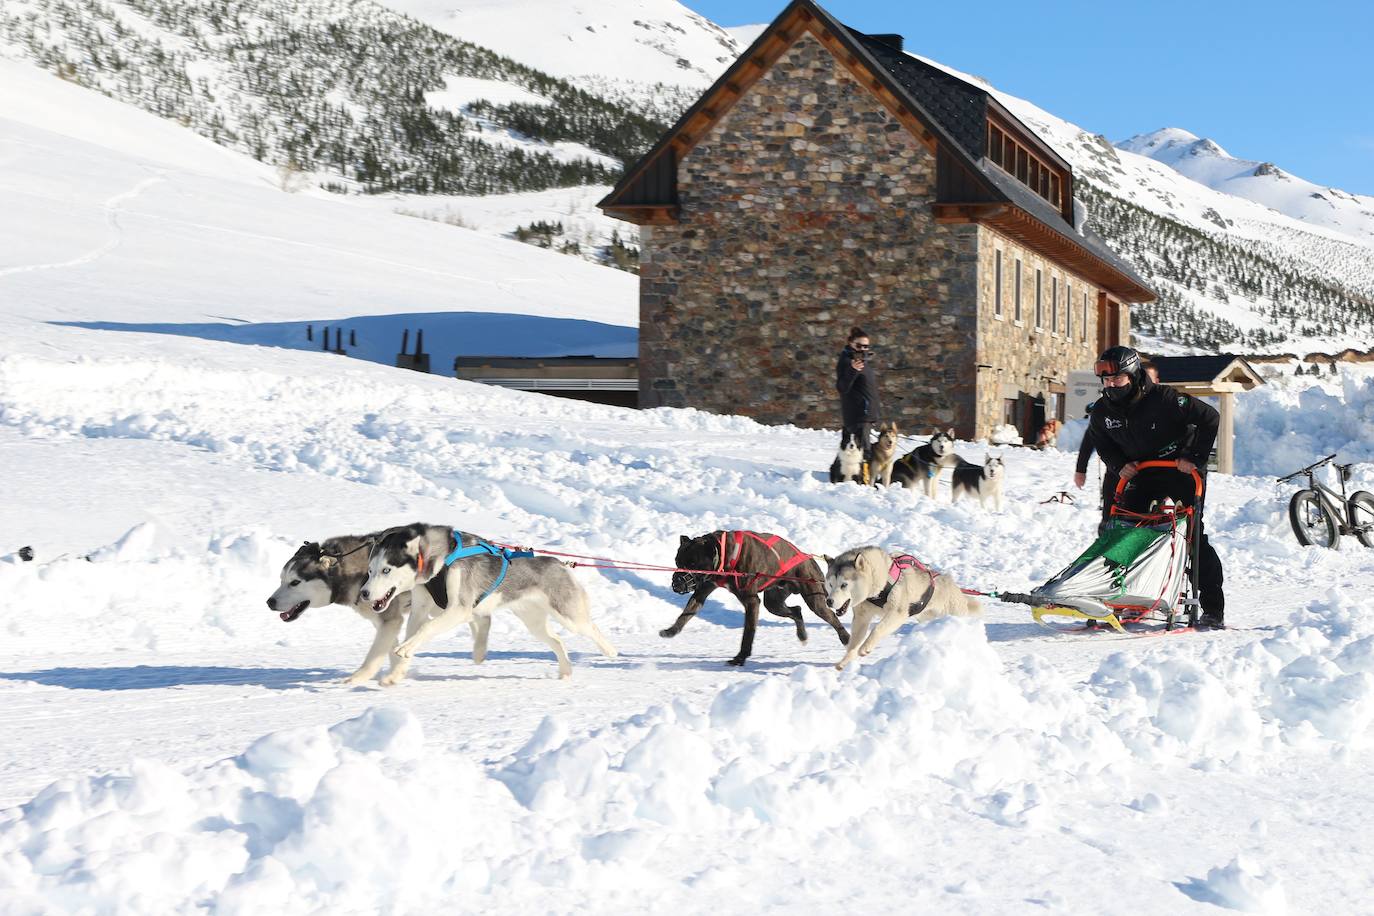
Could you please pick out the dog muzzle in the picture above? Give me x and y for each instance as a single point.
(684, 582)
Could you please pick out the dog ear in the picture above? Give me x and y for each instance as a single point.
(950, 432)
(860, 563)
(684, 539)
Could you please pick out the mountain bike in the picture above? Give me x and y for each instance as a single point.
(1319, 517)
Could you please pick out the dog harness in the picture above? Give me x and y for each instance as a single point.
(900, 564)
(482, 547)
(730, 564)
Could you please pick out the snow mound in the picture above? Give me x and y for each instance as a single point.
(293, 823)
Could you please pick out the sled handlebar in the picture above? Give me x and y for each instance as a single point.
(1172, 465)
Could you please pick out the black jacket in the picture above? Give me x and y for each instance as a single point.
(858, 390)
(1159, 423)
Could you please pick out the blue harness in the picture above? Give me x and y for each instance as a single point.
(482, 547)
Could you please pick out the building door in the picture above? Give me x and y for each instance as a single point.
(1108, 322)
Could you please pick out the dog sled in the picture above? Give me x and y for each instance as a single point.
(1140, 573)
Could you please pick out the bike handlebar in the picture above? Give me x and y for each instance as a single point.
(1173, 465)
(1310, 467)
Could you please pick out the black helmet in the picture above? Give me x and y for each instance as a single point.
(1114, 361)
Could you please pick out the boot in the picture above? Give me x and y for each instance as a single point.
(1212, 620)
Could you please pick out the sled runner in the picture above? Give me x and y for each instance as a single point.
(1142, 567)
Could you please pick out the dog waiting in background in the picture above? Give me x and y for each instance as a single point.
(884, 455)
(750, 565)
(984, 482)
(849, 463)
(470, 589)
(333, 572)
(890, 589)
(923, 466)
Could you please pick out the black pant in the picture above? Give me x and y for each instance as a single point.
(859, 433)
(1152, 485)
(1109, 479)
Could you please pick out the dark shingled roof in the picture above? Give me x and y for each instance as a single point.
(960, 107)
(1192, 368)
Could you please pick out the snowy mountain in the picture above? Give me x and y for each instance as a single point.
(1263, 182)
(1230, 272)
(364, 96)
(454, 112)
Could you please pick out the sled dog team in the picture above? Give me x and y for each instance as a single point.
(432, 578)
(920, 468)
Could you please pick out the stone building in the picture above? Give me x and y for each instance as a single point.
(828, 179)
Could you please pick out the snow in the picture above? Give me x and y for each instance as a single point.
(175, 747)
(644, 41)
(1207, 163)
(461, 91)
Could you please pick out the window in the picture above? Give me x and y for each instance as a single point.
(997, 285)
(1016, 292)
(1025, 166)
(1083, 327)
(1068, 310)
(1039, 305)
(995, 138)
(1054, 191)
(1054, 305)
(1022, 166)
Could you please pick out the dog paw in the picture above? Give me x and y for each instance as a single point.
(738, 661)
(844, 637)
(405, 650)
(356, 678)
(391, 680)
(668, 633)
(565, 675)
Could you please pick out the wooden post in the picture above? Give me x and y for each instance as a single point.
(1226, 437)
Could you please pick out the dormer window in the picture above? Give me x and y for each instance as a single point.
(1019, 161)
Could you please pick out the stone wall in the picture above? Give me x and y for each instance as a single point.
(806, 210)
(1024, 357)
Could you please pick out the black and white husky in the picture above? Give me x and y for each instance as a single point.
(412, 560)
(923, 466)
(333, 572)
(983, 482)
(889, 589)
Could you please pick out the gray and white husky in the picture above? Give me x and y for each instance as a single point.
(411, 560)
(333, 572)
(983, 482)
(922, 467)
(890, 590)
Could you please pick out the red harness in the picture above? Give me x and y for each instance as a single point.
(730, 563)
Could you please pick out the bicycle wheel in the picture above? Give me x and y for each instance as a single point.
(1361, 508)
(1312, 524)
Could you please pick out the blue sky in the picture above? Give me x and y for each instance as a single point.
(1289, 83)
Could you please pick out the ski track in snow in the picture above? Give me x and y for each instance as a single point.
(112, 208)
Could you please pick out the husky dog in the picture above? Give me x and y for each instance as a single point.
(891, 589)
(924, 465)
(884, 455)
(332, 572)
(849, 463)
(749, 565)
(468, 590)
(983, 482)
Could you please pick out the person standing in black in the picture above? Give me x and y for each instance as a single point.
(857, 385)
(1085, 454)
(1137, 420)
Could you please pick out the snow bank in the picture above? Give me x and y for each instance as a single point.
(360, 816)
(1288, 423)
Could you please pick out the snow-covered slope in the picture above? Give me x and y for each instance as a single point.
(1263, 182)
(119, 218)
(647, 41)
